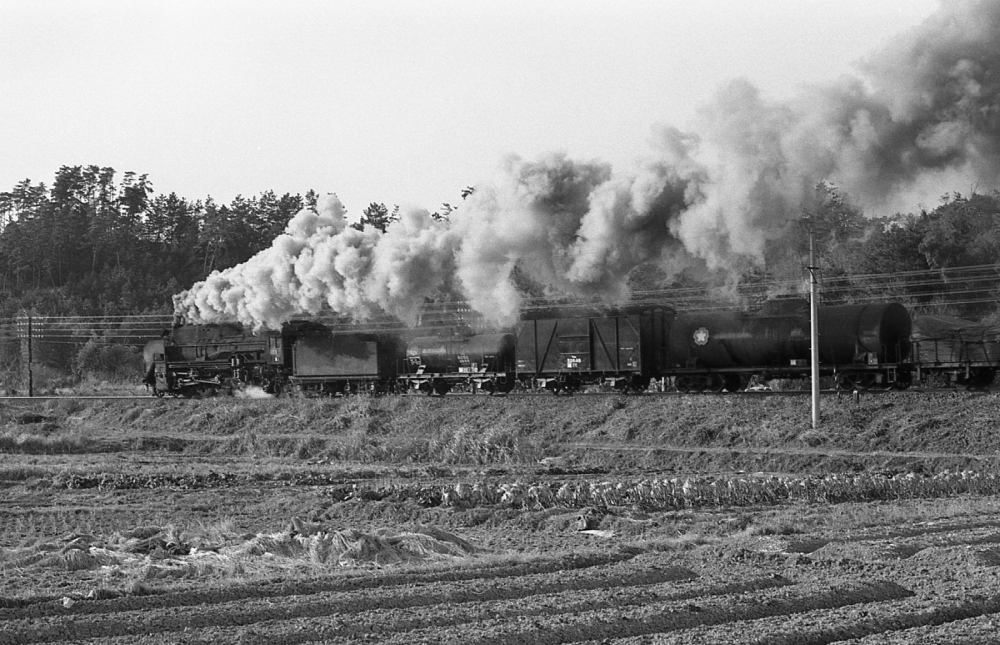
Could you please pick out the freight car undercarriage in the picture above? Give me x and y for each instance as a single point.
(440, 383)
(848, 378)
(570, 382)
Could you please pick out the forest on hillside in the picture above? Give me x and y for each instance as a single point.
(95, 244)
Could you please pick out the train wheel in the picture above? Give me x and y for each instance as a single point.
(980, 379)
(199, 391)
(860, 381)
(903, 381)
(686, 383)
(638, 384)
(715, 383)
(734, 382)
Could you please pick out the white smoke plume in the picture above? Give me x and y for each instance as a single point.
(921, 119)
(321, 263)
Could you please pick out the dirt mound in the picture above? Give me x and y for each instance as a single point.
(140, 555)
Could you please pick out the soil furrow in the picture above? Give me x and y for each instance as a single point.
(657, 617)
(869, 623)
(980, 630)
(295, 622)
(50, 606)
(621, 588)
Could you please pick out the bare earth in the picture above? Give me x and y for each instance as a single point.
(299, 522)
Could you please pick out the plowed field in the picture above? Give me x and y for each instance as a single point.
(302, 522)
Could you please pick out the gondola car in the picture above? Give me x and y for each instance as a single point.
(952, 351)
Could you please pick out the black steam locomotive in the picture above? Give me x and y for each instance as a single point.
(565, 350)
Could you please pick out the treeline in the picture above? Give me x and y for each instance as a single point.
(943, 260)
(93, 244)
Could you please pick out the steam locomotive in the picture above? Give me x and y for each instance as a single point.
(564, 350)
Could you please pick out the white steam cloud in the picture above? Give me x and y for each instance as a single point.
(921, 119)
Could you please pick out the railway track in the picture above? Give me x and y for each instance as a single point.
(539, 394)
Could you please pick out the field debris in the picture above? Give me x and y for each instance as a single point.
(166, 553)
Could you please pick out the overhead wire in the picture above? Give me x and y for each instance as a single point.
(936, 287)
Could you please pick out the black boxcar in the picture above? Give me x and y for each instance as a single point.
(564, 349)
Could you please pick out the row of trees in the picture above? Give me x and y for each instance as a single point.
(92, 244)
(944, 260)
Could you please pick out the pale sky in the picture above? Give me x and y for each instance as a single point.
(390, 101)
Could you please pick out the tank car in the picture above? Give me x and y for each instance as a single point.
(438, 364)
(565, 349)
(863, 346)
(201, 360)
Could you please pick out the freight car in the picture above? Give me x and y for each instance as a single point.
(565, 349)
(863, 346)
(438, 364)
(951, 351)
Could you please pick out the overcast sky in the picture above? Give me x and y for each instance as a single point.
(396, 102)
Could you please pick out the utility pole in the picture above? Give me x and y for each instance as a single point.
(25, 333)
(814, 326)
